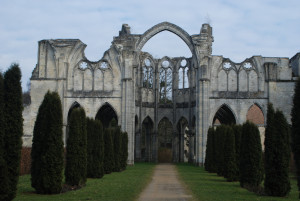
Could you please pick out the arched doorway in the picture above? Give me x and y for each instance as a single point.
(146, 140)
(256, 116)
(184, 139)
(105, 114)
(165, 139)
(224, 116)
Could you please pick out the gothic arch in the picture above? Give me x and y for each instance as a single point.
(165, 26)
(224, 115)
(106, 113)
(255, 114)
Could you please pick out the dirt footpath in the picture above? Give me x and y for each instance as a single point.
(164, 186)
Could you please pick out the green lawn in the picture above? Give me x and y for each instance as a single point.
(125, 185)
(208, 186)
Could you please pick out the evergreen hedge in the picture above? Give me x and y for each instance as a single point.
(230, 164)
(296, 129)
(209, 156)
(237, 129)
(13, 126)
(117, 148)
(3, 166)
(277, 154)
(219, 147)
(47, 146)
(95, 149)
(76, 157)
(108, 160)
(251, 170)
(124, 150)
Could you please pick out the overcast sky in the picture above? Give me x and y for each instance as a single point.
(241, 29)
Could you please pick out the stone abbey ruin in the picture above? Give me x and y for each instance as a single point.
(166, 105)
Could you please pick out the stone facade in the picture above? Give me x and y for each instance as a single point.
(144, 93)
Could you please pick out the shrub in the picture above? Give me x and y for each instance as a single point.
(209, 157)
(230, 165)
(108, 161)
(3, 166)
(219, 147)
(124, 150)
(251, 174)
(47, 147)
(76, 157)
(237, 129)
(296, 129)
(13, 126)
(117, 148)
(277, 154)
(94, 148)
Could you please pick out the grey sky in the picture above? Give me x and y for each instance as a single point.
(241, 29)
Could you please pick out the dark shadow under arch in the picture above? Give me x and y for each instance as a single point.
(105, 114)
(224, 116)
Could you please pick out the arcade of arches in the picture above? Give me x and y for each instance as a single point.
(167, 104)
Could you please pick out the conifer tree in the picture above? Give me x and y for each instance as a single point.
(47, 148)
(124, 150)
(94, 149)
(219, 146)
(209, 157)
(3, 166)
(237, 129)
(76, 157)
(277, 154)
(108, 161)
(230, 165)
(13, 126)
(117, 148)
(251, 174)
(296, 129)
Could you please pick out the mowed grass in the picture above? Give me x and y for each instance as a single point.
(210, 187)
(125, 185)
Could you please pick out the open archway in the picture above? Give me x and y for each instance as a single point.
(183, 139)
(224, 116)
(146, 147)
(105, 114)
(165, 139)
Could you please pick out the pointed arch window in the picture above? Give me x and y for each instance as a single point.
(183, 78)
(147, 74)
(165, 84)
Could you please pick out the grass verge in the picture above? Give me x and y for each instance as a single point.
(210, 187)
(125, 185)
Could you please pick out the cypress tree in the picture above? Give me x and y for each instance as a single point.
(124, 150)
(251, 174)
(209, 156)
(219, 146)
(296, 129)
(230, 165)
(94, 148)
(277, 154)
(108, 160)
(76, 157)
(237, 129)
(3, 166)
(117, 148)
(13, 126)
(47, 148)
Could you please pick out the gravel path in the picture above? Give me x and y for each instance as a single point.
(164, 186)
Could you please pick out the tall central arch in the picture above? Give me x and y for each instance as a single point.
(165, 26)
